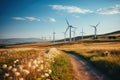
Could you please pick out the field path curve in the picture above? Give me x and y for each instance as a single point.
(82, 70)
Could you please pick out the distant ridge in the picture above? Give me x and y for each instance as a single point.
(19, 40)
(117, 33)
(27, 40)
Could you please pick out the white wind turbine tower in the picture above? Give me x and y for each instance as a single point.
(54, 36)
(82, 33)
(64, 36)
(95, 28)
(69, 27)
(74, 33)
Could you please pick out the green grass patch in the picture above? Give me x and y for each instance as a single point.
(61, 68)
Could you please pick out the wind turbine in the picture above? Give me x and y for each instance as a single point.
(54, 36)
(95, 28)
(69, 27)
(74, 33)
(82, 33)
(64, 36)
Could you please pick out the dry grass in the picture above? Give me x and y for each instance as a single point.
(92, 52)
(105, 56)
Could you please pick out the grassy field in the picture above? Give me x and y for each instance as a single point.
(33, 62)
(104, 56)
(61, 68)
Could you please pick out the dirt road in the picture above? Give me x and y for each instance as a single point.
(82, 70)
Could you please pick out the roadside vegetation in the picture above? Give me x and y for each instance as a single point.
(106, 61)
(62, 69)
(104, 56)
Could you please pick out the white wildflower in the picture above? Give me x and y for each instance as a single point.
(20, 67)
(49, 71)
(14, 69)
(11, 78)
(42, 76)
(35, 61)
(17, 74)
(4, 66)
(21, 78)
(10, 67)
(17, 60)
(46, 74)
(7, 74)
(26, 71)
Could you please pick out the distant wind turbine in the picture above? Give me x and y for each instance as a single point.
(82, 33)
(74, 33)
(54, 36)
(95, 28)
(64, 36)
(69, 28)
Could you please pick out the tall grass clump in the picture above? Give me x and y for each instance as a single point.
(61, 68)
(107, 61)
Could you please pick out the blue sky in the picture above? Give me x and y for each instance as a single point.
(36, 18)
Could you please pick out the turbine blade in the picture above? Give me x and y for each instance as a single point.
(67, 29)
(73, 27)
(92, 26)
(97, 24)
(67, 22)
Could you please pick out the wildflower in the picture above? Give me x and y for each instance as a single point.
(42, 76)
(35, 62)
(21, 78)
(49, 71)
(4, 66)
(7, 74)
(10, 67)
(26, 71)
(46, 74)
(17, 60)
(14, 69)
(14, 65)
(17, 74)
(20, 67)
(11, 78)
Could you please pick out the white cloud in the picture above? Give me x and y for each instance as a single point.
(52, 20)
(27, 18)
(32, 19)
(111, 10)
(70, 9)
(18, 18)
